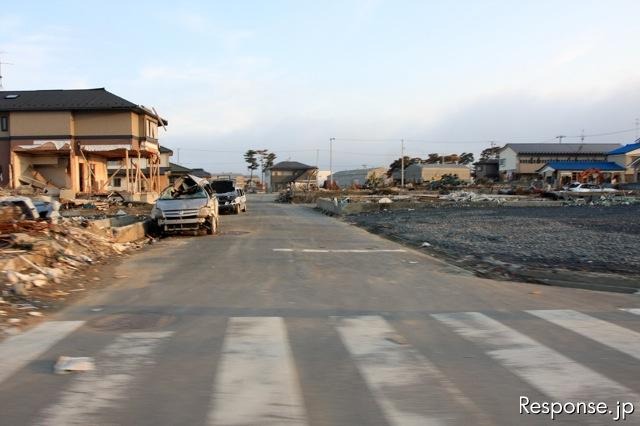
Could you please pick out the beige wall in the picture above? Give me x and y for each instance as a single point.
(51, 123)
(625, 160)
(429, 174)
(106, 123)
(529, 168)
(164, 160)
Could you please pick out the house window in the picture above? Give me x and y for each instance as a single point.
(117, 182)
(4, 123)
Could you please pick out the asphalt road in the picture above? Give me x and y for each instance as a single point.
(290, 317)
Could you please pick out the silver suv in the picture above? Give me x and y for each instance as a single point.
(189, 204)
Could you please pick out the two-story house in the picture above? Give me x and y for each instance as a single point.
(628, 156)
(524, 160)
(287, 174)
(64, 139)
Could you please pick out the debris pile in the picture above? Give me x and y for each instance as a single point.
(602, 200)
(41, 261)
(472, 197)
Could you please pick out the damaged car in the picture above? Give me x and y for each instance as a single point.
(190, 204)
(230, 198)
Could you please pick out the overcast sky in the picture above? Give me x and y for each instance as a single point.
(447, 76)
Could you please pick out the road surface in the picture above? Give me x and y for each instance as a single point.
(290, 317)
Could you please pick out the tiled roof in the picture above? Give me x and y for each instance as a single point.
(627, 148)
(75, 99)
(562, 148)
(605, 166)
(39, 100)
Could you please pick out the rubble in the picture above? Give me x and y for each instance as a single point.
(581, 246)
(472, 197)
(40, 258)
(67, 364)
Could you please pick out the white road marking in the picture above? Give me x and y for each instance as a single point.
(545, 369)
(95, 393)
(635, 311)
(257, 382)
(341, 250)
(408, 387)
(17, 351)
(603, 332)
(368, 251)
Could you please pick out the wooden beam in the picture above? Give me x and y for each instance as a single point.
(126, 159)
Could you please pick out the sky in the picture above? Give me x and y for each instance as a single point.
(444, 76)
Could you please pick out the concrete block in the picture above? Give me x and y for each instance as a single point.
(133, 232)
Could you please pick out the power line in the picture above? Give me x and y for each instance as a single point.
(460, 141)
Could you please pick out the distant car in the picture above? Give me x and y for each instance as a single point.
(229, 197)
(588, 187)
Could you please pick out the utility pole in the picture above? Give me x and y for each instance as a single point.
(582, 136)
(560, 137)
(402, 163)
(331, 161)
(1, 64)
(317, 159)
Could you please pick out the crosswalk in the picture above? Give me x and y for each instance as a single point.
(257, 381)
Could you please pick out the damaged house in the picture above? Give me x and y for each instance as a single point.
(290, 174)
(78, 141)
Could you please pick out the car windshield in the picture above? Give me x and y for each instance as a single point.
(173, 194)
(222, 186)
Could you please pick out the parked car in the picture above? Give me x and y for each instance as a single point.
(229, 197)
(588, 187)
(189, 204)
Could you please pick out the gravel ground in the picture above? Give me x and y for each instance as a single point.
(513, 241)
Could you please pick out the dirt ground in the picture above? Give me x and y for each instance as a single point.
(582, 246)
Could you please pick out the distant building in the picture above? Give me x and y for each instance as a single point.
(201, 173)
(323, 176)
(524, 160)
(628, 157)
(487, 169)
(357, 177)
(424, 173)
(240, 181)
(560, 173)
(290, 173)
(177, 171)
